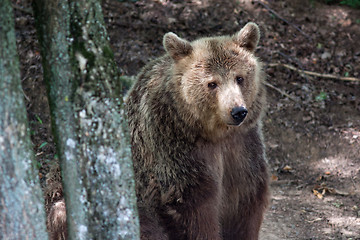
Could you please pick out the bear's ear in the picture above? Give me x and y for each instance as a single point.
(248, 37)
(176, 47)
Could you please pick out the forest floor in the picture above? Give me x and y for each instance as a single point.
(312, 128)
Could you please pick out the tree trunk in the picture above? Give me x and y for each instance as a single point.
(88, 118)
(22, 214)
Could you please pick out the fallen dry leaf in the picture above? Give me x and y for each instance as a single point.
(287, 168)
(319, 178)
(274, 178)
(319, 195)
(324, 189)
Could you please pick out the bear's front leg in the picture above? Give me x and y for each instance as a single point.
(194, 217)
(246, 225)
(194, 223)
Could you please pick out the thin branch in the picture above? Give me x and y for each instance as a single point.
(26, 97)
(280, 91)
(321, 75)
(291, 59)
(283, 19)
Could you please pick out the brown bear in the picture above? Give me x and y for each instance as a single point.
(198, 152)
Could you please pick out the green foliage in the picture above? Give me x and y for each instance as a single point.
(127, 81)
(43, 145)
(36, 164)
(107, 52)
(39, 119)
(321, 97)
(338, 204)
(350, 3)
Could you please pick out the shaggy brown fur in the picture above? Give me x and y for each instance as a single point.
(200, 168)
(55, 205)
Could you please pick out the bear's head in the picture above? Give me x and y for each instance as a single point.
(217, 78)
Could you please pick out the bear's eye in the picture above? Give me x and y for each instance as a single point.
(212, 85)
(239, 80)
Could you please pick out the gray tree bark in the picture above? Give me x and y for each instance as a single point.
(22, 214)
(88, 118)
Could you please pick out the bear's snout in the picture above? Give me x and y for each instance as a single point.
(238, 114)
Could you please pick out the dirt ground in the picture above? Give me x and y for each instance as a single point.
(312, 126)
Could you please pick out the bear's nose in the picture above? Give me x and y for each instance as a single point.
(239, 114)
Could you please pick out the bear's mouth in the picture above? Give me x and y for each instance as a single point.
(235, 124)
